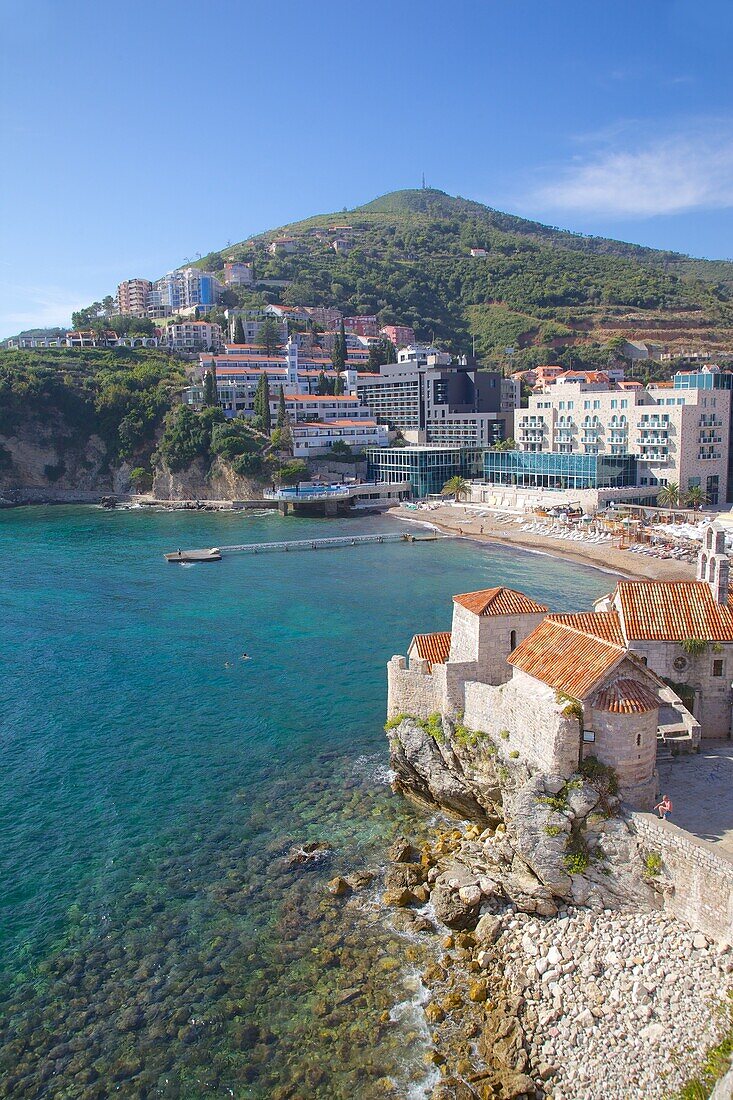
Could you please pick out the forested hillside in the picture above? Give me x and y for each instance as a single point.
(72, 417)
(537, 288)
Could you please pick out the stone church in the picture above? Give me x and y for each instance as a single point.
(653, 662)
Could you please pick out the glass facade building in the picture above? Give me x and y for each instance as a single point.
(550, 470)
(426, 468)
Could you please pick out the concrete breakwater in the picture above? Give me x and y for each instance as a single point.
(555, 900)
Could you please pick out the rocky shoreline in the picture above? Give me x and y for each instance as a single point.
(556, 974)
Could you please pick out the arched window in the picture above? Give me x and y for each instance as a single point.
(512, 641)
(638, 740)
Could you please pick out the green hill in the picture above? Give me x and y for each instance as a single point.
(538, 288)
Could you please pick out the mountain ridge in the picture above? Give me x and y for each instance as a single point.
(539, 289)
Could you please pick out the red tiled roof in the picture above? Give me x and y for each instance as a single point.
(499, 601)
(433, 647)
(672, 611)
(599, 624)
(626, 696)
(565, 659)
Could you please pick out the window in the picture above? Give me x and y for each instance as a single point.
(638, 740)
(717, 668)
(512, 641)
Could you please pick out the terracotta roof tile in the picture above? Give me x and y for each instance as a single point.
(600, 624)
(565, 659)
(499, 601)
(672, 611)
(626, 696)
(433, 647)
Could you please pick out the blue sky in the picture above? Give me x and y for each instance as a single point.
(134, 136)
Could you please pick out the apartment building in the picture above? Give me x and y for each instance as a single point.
(675, 434)
(185, 288)
(189, 337)
(400, 335)
(364, 325)
(435, 403)
(317, 437)
(133, 297)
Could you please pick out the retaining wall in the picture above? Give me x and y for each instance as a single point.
(702, 876)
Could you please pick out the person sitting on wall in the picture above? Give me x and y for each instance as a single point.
(664, 808)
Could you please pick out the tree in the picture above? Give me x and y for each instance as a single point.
(340, 351)
(282, 410)
(141, 479)
(341, 451)
(338, 386)
(238, 331)
(456, 487)
(262, 403)
(381, 352)
(211, 396)
(696, 497)
(669, 495)
(322, 387)
(268, 335)
(293, 471)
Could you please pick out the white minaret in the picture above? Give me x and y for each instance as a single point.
(291, 355)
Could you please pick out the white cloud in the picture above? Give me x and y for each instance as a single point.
(683, 172)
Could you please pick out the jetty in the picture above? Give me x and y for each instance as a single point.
(182, 556)
(216, 553)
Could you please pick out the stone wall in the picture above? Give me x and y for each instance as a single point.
(414, 690)
(702, 876)
(417, 690)
(545, 738)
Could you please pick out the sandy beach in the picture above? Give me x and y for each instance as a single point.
(493, 528)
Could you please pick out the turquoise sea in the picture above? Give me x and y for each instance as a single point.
(153, 938)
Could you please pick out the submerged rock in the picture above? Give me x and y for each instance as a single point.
(308, 853)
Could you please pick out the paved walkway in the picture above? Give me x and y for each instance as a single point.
(701, 789)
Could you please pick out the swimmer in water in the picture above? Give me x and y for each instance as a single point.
(245, 657)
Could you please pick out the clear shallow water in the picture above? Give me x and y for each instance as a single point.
(153, 782)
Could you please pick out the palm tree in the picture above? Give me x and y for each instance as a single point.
(457, 487)
(696, 497)
(669, 495)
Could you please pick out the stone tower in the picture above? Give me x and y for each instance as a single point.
(487, 626)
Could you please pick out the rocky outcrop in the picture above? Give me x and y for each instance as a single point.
(431, 772)
(202, 481)
(42, 458)
(539, 840)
